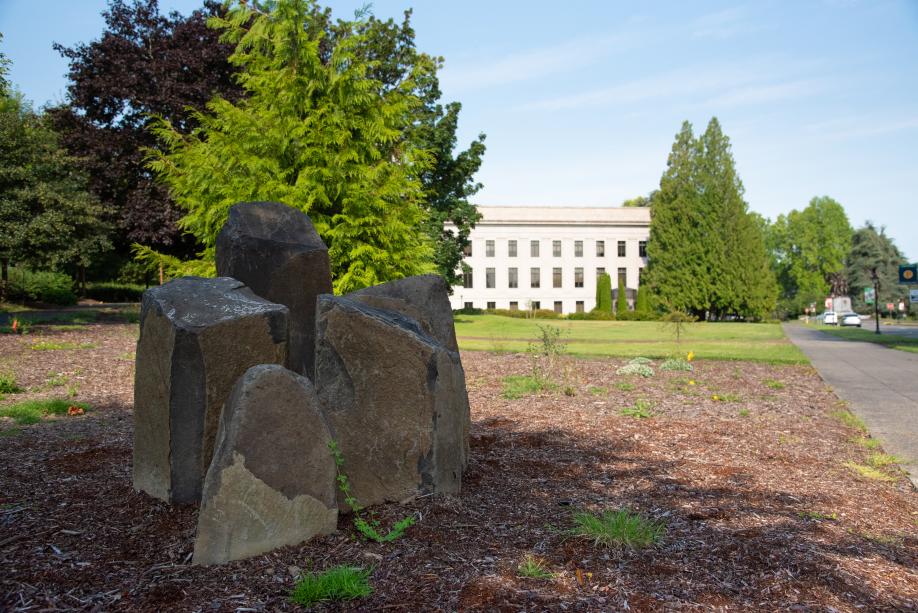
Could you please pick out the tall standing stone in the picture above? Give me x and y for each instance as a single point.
(272, 479)
(275, 250)
(197, 337)
(395, 400)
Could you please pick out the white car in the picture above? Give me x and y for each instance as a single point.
(850, 319)
(829, 318)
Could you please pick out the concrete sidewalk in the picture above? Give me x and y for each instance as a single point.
(880, 385)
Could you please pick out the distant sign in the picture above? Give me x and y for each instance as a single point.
(869, 295)
(890, 306)
(828, 303)
(908, 274)
(913, 295)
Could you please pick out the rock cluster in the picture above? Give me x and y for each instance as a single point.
(242, 381)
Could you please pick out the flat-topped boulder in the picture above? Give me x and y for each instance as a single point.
(197, 337)
(275, 250)
(424, 298)
(395, 400)
(272, 479)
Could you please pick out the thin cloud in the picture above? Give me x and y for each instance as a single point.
(863, 126)
(772, 92)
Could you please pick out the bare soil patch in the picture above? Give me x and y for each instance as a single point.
(746, 484)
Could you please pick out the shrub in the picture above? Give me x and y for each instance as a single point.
(338, 583)
(635, 316)
(640, 360)
(620, 527)
(471, 311)
(114, 292)
(533, 568)
(42, 286)
(604, 294)
(635, 369)
(594, 315)
(525, 314)
(676, 364)
(621, 301)
(8, 384)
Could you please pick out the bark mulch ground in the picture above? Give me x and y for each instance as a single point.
(761, 511)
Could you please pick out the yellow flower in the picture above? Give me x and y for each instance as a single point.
(715, 397)
(691, 382)
(690, 356)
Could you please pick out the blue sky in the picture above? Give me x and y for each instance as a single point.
(580, 102)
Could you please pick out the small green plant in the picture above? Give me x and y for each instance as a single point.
(774, 384)
(597, 390)
(533, 568)
(816, 516)
(11, 432)
(640, 360)
(676, 364)
(517, 386)
(869, 472)
(635, 369)
(8, 384)
(56, 380)
(882, 460)
(726, 397)
(369, 529)
(676, 322)
(570, 391)
(744, 412)
(32, 411)
(62, 346)
(128, 356)
(338, 583)
(867, 442)
(17, 326)
(624, 386)
(642, 409)
(850, 419)
(620, 527)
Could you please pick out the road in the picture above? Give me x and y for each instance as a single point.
(879, 384)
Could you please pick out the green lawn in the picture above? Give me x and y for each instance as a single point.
(722, 341)
(893, 341)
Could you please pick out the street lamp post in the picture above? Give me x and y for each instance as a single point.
(876, 297)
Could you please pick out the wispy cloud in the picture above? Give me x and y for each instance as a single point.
(536, 63)
(863, 126)
(768, 92)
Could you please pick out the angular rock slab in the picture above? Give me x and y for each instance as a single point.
(395, 400)
(424, 298)
(272, 479)
(197, 337)
(275, 250)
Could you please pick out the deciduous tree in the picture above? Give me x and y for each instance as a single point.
(872, 248)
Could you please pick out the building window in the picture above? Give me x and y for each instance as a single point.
(600, 249)
(556, 277)
(578, 277)
(514, 306)
(580, 306)
(536, 305)
(535, 277)
(534, 249)
(621, 249)
(642, 249)
(600, 271)
(578, 249)
(467, 279)
(467, 306)
(492, 305)
(512, 280)
(467, 250)
(489, 278)
(557, 306)
(511, 249)
(556, 248)
(623, 276)
(489, 249)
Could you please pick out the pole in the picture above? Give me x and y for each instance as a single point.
(876, 304)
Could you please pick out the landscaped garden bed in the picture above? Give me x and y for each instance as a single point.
(735, 485)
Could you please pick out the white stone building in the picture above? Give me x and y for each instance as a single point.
(550, 257)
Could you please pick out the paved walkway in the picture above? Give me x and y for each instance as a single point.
(880, 385)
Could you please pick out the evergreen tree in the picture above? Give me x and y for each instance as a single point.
(323, 136)
(642, 303)
(872, 248)
(621, 301)
(677, 272)
(604, 293)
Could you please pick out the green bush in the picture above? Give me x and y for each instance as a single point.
(471, 311)
(524, 314)
(594, 315)
(604, 293)
(635, 316)
(40, 286)
(114, 292)
(621, 301)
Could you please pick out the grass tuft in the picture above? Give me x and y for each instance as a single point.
(816, 516)
(8, 384)
(774, 384)
(533, 568)
(338, 583)
(869, 472)
(62, 346)
(744, 412)
(32, 411)
(850, 419)
(642, 409)
(598, 390)
(624, 386)
(882, 460)
(517, 386)
(867, 443)
(620, 527)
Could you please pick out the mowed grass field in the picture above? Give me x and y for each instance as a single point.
(651, 339)
(893, 341)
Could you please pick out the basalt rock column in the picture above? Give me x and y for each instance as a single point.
(197, 337)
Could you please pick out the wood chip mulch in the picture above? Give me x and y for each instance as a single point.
(761, 511)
